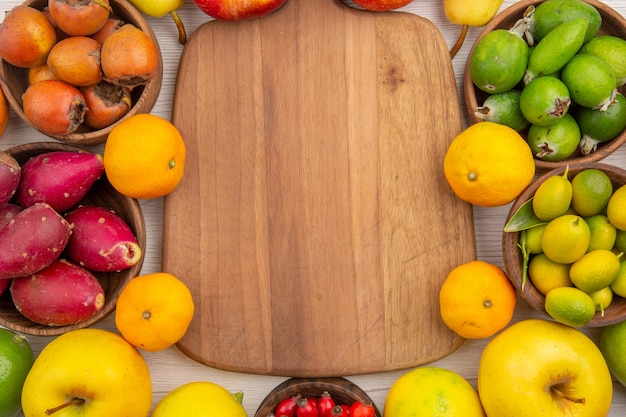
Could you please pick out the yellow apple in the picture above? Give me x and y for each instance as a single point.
(540, 368)
(200, 399)
(88, 373)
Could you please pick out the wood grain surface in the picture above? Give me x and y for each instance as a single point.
(315, 225)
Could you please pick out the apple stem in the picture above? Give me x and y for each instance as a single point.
(567, 397)
(73, 401)
(459, 42)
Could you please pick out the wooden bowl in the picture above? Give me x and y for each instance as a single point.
(612, 24)
(512, 255)
(14, 81)
(340, 389)
(101, 194)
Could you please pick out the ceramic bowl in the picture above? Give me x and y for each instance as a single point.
(612, 23)
(512, 255)
(14, 80)
(340, 389)
(101, 194)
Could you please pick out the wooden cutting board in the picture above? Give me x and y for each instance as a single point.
(314, 225)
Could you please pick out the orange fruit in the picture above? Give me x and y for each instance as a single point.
(4, 113)
(477, 300)
(144, 156)
(154, 311)
(488, 164)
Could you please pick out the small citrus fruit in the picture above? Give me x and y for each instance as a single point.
(620, 241)
(477, 300)
(603, 299)
(144, 156)
(603, 233)
(154, 311)
(533, 239)
(619, 283)
(545, 274)
(595, 270)
(616, 208)
(613, 346)
(16, 360)
(432, 391)
(553, 197)
(591, 191)
(488, 164)
(200, 399)
(570, 306)
(566, 238)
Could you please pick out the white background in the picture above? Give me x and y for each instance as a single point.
(170, 368)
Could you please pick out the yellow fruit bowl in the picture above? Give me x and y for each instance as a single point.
(14, 80)
(612, 24)
(514, 260)
(100, 194)
(341, 391)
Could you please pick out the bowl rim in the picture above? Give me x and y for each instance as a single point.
(512, 257)
(469, 90)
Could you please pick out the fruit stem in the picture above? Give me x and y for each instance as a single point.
(182, 33)
(73, 401)
(567, 397)
(459, 42)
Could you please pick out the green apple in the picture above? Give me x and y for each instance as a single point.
(613, 346)
(88, 373)
(540, 368)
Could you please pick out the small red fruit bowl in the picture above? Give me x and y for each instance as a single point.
(340, 390)
(100, 194)
(14, 81)
(514, 259)
(612, 24)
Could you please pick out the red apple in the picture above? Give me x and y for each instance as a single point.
(381, 5)
(238, 9)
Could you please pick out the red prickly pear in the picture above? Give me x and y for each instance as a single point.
(10, 172)
(101, 240)
(58, 178)
(7, 212)
(58, 295)
(34, 238)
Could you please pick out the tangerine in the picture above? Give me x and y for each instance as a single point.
(477, 300)
(144, 156)
(154, 311)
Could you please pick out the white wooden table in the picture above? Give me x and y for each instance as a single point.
(170, 368)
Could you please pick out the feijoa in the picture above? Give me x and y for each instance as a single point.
(599, 126)
(556, 48)
(556, 142)
(590, 80)
(551, 13)
(498, 61)
(611, 49)
(544, 100)
(503, 108)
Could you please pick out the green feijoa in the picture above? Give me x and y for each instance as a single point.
(597, 126)
(556, 49)
(498, 61)
(551, 13)
(556, 142)
(613, 50)
(590, 81)
(544, 100)
(503, 108)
